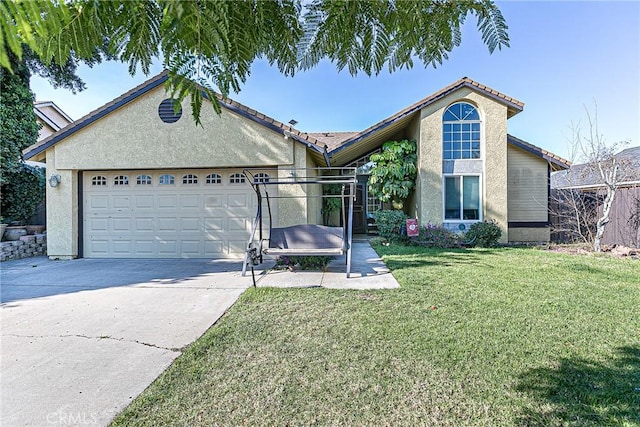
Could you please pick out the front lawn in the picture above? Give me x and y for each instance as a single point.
(473, 337)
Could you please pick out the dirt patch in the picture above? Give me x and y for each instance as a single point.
(616, 251)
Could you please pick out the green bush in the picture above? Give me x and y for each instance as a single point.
(393, 174)
(436, 236)
(483, 234)
(378, 241)
(390, 223)
(22, 193)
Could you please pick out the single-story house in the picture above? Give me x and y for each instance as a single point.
(137, 180)
(624, 225)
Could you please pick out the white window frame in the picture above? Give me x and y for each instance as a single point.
(444, 199)
(470, 122)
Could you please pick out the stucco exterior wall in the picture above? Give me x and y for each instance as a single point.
(292, 210)
(494, 153)
(527, 185)
(62, 212)
(413, 202)
(135, 137)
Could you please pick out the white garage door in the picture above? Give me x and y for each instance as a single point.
(167, 214)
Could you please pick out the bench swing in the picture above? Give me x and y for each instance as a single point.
(302, 239)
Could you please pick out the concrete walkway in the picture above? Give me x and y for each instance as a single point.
(367, 272)
(81, 339)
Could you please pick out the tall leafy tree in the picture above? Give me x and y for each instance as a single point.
(18, 126)
(212, 44)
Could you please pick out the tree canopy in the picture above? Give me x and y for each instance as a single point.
(210, 45)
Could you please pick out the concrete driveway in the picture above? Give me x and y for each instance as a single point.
(82, 338)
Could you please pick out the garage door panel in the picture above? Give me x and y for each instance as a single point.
(144, 224)
(167, 224)
(213, 201)
(238, 224)
(214, 247)
(214, 224)
(190, 224)
(238, 200)
(190, 247)
(121, 225)
(169, 220)
(144, 201)
(99, 201)
(237, 246)
(98, 225)
(99, 247)
(190, 201)
(122, 247)
(167, 201)
(167, 248)
(143, 247)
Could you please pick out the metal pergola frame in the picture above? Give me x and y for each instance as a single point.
(346, 177)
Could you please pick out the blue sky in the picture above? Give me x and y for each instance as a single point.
(563, 56)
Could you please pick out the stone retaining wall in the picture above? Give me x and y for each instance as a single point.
(27, 246)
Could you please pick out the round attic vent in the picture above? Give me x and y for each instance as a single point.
(167, 113)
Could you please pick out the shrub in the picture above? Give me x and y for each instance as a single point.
(393, 175)
(23, 193)
(483, 234)
(390, 223)
(378, 241)
(436, 236)
(304, 262)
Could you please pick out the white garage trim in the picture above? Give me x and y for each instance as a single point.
(187, 213)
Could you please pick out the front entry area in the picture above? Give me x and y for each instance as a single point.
(166, 213)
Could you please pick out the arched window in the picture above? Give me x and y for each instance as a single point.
(461, 132)
(190, 179)
(236, 178)
(99, 180)
(213, 178)
(143, 180)
(121, 180)
(260, 178)
(167, 179)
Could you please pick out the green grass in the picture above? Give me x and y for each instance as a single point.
(493, 337)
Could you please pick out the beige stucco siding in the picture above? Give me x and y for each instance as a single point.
(494, 153)
(528, 186)
(62, 212)
(134, 137)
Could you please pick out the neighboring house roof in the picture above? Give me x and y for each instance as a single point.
(151, 84)
(43, 113)
(582, 176)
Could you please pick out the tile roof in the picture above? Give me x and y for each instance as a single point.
(513, 104)
(321, 142)
(151, 84)
(332, 139)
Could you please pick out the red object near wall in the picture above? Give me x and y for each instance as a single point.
(412, 227)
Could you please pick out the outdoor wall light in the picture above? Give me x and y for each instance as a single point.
(54, 180)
